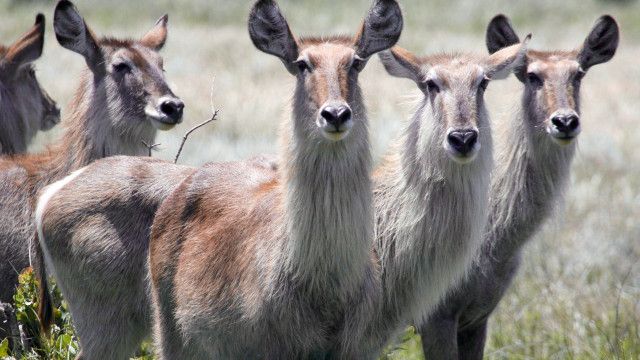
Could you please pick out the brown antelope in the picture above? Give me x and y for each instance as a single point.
(431, 194)
(25, 108)
(125, 192)
(121, 100)
(531, 175)
(248, 263)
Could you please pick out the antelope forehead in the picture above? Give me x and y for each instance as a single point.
(328, 54)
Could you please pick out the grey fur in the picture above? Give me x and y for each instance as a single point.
(529, 180)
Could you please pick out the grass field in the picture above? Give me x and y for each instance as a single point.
(578, 293)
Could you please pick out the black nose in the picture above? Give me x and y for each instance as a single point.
(566, 123)
(172, 108)
(463, 140)
(336, 115)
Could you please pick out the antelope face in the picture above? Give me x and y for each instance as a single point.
(326, 69)
(18, 76)
(453, 87)
(135, 78)
(552, 83)
(328, 73)
(552, 78)
(131, 72)
(455, 90)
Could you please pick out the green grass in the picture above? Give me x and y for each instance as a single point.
(578, 292)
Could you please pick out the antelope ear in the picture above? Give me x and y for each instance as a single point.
(500, 34)
(401, 63)
(157, 36)
(73, 33)
(601, 44)
(28, 48)
(380, 29)
(269, 32)
(507, 60)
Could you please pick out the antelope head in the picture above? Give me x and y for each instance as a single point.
(552, 78)
(130, 71)
(18, 76)
(326, 69)
(453, 86)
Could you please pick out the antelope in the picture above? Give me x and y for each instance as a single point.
(248, 263)
(25, 107)
(531, 175)
(431, 192)
(329, 125)
(121, 99)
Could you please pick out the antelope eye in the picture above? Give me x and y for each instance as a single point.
(579, 75)
(432, 87)
(358, 64)
(303, 66)
(121, 67)
(534, 79)
(484, 83)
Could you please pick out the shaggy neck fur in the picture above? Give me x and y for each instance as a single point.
(96, 128)
(328, 202)
(531, 177)
(430, 213)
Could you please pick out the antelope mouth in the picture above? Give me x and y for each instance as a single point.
(463, 158)
(562, 138)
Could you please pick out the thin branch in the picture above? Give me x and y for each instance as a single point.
(214, 116)
(150, 147)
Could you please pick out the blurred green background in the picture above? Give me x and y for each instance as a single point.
(578, 293)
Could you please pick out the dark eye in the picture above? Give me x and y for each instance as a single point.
(534, 79)
(121, 67)
(484, 83)
(432, 87)
(358, 64)
(303, 66)
(579, 75)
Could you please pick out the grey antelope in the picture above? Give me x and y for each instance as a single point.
(25, 107)
(431, 192)
(120, 101)
(531, 175)
(330, 117)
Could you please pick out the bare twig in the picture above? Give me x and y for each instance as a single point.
(150, 147)
(214, 116)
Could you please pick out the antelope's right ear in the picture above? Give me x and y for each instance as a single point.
(500, 34)
(74, 34)
(270, 33)
(401, 63)
(28, 48)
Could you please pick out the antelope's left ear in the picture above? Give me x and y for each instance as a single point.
(28, 48)
(380, 30)
(157, 36)
(601, 44)
(503, 62)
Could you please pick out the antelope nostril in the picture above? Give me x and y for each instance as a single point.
(463, 141)
(336, 115)
(172, 108)
(566, 124)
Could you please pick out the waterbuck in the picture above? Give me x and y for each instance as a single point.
(25, 107)
(531, 175)
(248, 263)
(121, 100)
(431, 193)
